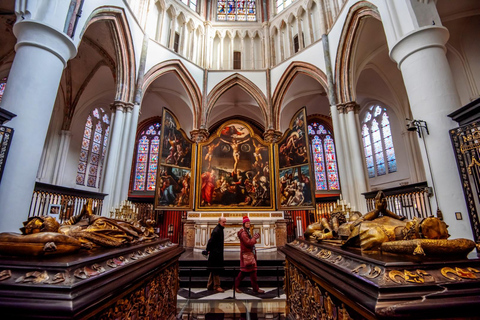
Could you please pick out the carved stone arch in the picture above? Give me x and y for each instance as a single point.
(191, 24)
(300, 11)
(172, 12)
(230, 34)
(325, 119)
(344, 60)
(245, 84)
(295, 68)
(309, 4)
(125, 54)
(290, 18)
(160, 4)
(181, 18)
(191, 87)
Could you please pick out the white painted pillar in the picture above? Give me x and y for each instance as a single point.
(341, 158)
(282, 47)
(173, 25)
(130, 151)
(122, 158)
(231, 51)
(59, 169)
(301, 45)
(111, 164)
(266, 40)
(41, 55)
(349, 184)
(252, 48)
(242, 50)
(432, 94)
(310, 26)
(221, 59)
(356, 157)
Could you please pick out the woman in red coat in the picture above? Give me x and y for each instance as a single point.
(247, 247)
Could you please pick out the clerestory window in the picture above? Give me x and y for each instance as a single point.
(237, 10)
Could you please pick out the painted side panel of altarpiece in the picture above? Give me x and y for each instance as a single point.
(234, 170)
(173, 190)
(295, 189)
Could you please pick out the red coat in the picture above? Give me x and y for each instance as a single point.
(246, 245)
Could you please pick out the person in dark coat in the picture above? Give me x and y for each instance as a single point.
(215, 255)
(247, 244)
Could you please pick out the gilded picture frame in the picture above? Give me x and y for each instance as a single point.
(175, 169)
(295, 188)
(234, 170)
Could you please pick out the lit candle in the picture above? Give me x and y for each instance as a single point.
(353, 208)
(338, 202)
(340, 196)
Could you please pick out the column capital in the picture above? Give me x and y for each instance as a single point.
(199, 135)
(40, 35)
(348, 107)
(417, 40)
(118, 105)
(272, 135)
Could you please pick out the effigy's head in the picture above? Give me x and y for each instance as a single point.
(434, 228)
(40, 224)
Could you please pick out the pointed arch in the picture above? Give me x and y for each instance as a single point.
(295, 68)
(125, 68)
(344, 61)
(190, 86)
(245, 84)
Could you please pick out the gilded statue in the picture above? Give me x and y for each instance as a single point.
(330, 228)
(42, 236)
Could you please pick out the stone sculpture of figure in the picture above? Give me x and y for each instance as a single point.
(329, 229)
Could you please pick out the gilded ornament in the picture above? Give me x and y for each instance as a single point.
(469, 273)
(5, 274)
(36, 277)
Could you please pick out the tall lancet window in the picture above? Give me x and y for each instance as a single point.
(3, 84)
(282, 4)
(236, 10)
(191, 3)
(94, 147)
(146, 157)
(378, 142)
(324, 157)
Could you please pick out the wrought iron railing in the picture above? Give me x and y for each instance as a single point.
(409, 201)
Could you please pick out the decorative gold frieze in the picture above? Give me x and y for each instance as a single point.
(416, 276)
(468, 273)
(211, 215)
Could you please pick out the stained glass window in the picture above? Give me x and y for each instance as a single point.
(237, 10)
(378, 142)
(324, 157)
(282, 4)
(146, 161)
(93, 148)
(3, 84)
(191, 3)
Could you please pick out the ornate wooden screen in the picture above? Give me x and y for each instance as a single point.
(466, 144)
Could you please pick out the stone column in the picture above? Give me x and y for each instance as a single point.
(231, 49)
(65, 137)
(242, 50)
(356, 156)
(122, 158)
(301, 45)
(41, 55)
(432, 94)
(222, 47)
(189, 234)
(349, 185)
(310, 26)
(341, 158)
(280, 232)
(173, 25)
(252, 46)
(266, 39)
(111, 164)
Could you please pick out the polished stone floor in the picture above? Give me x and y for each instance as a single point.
(200, 303)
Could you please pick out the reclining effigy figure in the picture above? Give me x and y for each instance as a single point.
(45, 236)
(331, 228)
(394, 234)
